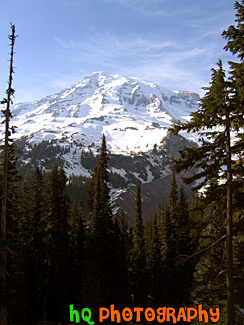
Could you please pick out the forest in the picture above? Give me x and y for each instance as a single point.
(54, 252)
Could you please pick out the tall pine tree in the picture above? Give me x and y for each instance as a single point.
(54, 227)
(77, 239)
(5, 188)
(137, 254)
(154, 263)
(99, 287)
(214, 121)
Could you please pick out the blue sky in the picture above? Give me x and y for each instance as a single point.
(174, 43)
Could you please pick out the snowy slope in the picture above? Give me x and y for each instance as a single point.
(133, 114)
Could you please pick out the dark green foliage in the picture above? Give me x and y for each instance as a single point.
(184, 248)
(183, 224)
(117, 180)
(210, 158)
(214, 120)
(209, 285)
(100, 192)
(18, 262)
(154, 263)
(175, 239)
(34, 281)
(44, 153)
(13, 178)
(88, 160)
(59, 256)
(172, 214)
(137, 255)
(234, 37)
(54, 225)
(25, 245)
(169, 254)
(238, 246)
(77, 241)
(100, 275)
(235, 34)
(14, 268)
(78, 190)
(121, 260)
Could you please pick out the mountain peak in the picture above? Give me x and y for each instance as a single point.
(133, 114)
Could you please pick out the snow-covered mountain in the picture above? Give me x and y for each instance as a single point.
(133, 114)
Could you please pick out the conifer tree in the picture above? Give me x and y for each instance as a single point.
(54, 226)
(174, 234)
(77, 239)
(148, 240)
(18, 260)
(174, 215)
(36, 253)
(99, 189)
(5, 189)
(100, 269)
(183, 222)
(22, 266)
(137, 255)
(169, 246)
(184, 249)
(170, 223)
(121, 260)
(122, 223)
(214, 121)
(234, 36)
(238, 245)
(154, 264)
(209, 285)
(138, 229)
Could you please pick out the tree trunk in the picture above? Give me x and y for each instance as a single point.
(229, 248)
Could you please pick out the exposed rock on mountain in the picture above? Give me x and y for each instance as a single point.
(133, 114)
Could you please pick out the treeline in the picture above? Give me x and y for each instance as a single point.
(59, 255)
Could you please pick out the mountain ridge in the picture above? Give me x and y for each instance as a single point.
(133, 114)
(109, 104)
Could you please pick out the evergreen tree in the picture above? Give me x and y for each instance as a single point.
(23, 268)
(196, 213)
(5, 189)
(238, 245)
(18, 261)
(174, 233)
(121, 260)
(184, 249)
(100, 275)
(183, 222)
(77, 239)
(169, 246)
(214, 121)
(54, 226)
(210, 269)
(36, 254)
(174, 215)
(234, 37)
(137, 255)
(154, 263)
(166, 255)
(148, 240)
